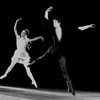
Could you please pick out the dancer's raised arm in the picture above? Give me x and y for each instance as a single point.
(36, 38)
(15, 28)
(47, 12)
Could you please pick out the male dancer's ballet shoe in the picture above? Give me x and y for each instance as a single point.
(70, 88)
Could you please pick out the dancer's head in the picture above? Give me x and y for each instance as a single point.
(24, 33)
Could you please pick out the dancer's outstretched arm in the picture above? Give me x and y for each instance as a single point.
(82, 28)
(36, 38)
(15, 28)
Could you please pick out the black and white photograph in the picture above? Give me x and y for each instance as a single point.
(49, 50)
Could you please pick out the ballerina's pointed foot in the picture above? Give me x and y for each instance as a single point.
(34, 83)
(3, 76)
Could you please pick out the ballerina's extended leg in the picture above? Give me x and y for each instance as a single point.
(9, 69)
(30, 74)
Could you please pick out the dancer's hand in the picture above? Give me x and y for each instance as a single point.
(42, 38)
(28, 46)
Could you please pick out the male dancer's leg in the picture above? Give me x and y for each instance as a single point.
(62, 62)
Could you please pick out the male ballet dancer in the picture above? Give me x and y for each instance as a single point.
(20, 54)
(57, 50)
(58, 47)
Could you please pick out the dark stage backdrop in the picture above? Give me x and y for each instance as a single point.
(82, 48)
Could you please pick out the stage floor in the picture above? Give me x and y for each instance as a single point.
(12, 93)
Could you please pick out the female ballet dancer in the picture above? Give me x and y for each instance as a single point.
(20, 54)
